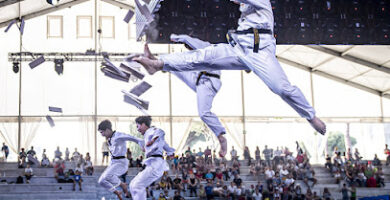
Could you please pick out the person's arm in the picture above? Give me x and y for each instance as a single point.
(170, 151)
(158, 133)
(194, 43)
(127, 137)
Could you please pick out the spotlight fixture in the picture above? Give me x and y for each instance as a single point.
(37, 62)
(52, 2)
(59, 66)
(15, 66)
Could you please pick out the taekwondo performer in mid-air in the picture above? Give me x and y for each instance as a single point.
(206, 84)
(119, 164)
(251, 47)
(154, 146)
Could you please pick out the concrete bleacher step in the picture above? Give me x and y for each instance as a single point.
(52, 195)
(21, 188)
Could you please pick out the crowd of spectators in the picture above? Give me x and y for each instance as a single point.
(77, 166)
(354, 170)
(202, 174)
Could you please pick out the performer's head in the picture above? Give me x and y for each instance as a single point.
(143, 123)
(105, 128)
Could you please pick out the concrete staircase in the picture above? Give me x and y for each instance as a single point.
(43, 185)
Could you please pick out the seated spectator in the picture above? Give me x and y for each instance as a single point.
(289, 182)
(77, 179)
(31, 152)
(237, 180)
(309, 194)
(326, 194)
(357, 155)
(252, 169)
(218, 190)
(75, 156)
(207, 153)
(162, 185)
(376, 161)
(387, 154)
(28, 173)
(380, 177)
(309, 176)
(201, 192)
(328, 163)
(240, 192)
(177, 183)
(88, 167)
(192, 184)
(247, 155)
(298, 192)
(58, 154)
(138, 161)
(45, 161)
(269, 175)
(209, 176)
(81, 160)
(209, 191)
(22, 158)
(87, 156)
(232, 190)
(19, 180)
(61, 176)
(361, 178)
(219, 175)
(177, 196)
(257, 195)
(79, 168)
(67, 152)
(233, 154)
(283, 172)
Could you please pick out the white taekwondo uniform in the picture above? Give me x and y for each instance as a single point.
(255, 14)
(119, 163)
(154, 162)
(206, 84)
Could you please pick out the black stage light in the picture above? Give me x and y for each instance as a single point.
(59, 66)
(15, 67)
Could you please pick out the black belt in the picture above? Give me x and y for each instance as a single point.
(117, 157)
(156, 156)
(206, 74)
(254, 31)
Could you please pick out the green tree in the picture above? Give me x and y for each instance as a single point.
(336, 139)
(135, 149)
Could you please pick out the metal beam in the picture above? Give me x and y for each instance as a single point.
(347, 51)
(120, 4)
(46, 11)
(351, 58)
(332, 77)
(9, 2)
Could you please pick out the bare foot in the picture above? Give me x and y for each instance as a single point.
(318, 125)
(124, 188)
(118, 194)
(151, 66)
(223, 143)
(147, 52)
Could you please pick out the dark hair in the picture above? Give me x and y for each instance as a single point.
(106, 124)
(147, 120)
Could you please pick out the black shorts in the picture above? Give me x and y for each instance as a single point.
(105, 153)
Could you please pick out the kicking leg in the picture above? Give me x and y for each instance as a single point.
(205, 96)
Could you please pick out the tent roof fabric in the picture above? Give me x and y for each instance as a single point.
(366, 67)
